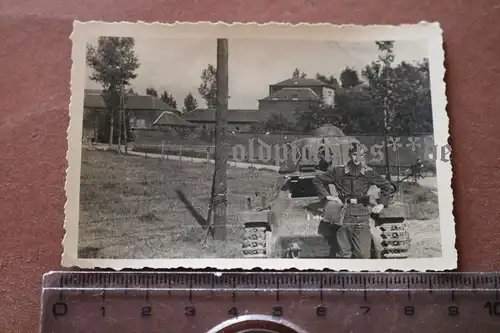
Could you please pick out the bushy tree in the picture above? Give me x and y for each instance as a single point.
(317, 116)
(401, 92)
(190, 103)
(276, 122)
(208, 86)
(151, 92)
(386, 98)
(297, 74)
(168, 99)
(113, 64)
(349, 78)
(330, 80)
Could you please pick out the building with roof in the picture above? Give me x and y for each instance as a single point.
(238, 120)
(286, 98)
(144, 111)
(169, 120)
(292, 96)
(168, 127)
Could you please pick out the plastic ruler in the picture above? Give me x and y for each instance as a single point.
(263, 302)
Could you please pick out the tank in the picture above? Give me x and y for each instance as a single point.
(287, 221)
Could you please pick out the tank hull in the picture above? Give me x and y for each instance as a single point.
(292, 226)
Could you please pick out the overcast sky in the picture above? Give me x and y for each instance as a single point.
(176, 64)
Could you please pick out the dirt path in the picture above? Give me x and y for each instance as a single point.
(425, 238)
(429, 182)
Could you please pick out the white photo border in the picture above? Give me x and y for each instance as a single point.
(432, 32)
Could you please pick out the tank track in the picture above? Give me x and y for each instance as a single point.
(256, 234)
(396, 240)
(254, 241)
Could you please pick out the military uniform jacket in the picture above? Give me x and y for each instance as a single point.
(353, 182)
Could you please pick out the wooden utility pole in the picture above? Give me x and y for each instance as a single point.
(220, 177)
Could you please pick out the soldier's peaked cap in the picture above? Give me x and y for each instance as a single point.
(355, 147)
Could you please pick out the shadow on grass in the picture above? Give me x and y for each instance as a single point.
(197, 216)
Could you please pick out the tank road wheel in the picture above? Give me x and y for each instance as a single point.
(254, 241)
(394, 232)
(257, 238)
(396, 240)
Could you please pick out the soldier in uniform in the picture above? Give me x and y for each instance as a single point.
(323, 164)
(350, 209)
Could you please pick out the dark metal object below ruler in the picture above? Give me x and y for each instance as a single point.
(152, 302)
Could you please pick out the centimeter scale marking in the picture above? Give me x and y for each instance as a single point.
(199, 302)
(337, 281)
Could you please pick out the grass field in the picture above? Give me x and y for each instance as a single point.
(129, 208)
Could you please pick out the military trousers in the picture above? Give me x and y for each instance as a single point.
(354, 237)
(357, 237)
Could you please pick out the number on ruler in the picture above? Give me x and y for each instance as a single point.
(493, 308)
(190, 311)
(409, 310)
(277, 311)
(365, 309)
(453, 311)
(103, 311)
(146, 311)
(59, 309)
(321, 311)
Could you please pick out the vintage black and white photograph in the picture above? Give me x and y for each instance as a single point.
(275, 146)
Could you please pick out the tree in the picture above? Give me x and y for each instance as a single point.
(298, 75)
(413, 99)
(331, 80)
(349, 78)
(151, 92)
(317, 115)
(381, 80)
(278, 123)
(113, 63)
(168, 99)
(354, 112)
(208, 86)
(401, 91)
(387, 99)
(380, 76)
(190, 103)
